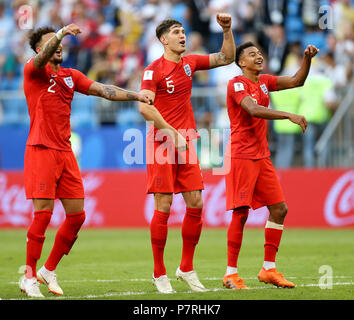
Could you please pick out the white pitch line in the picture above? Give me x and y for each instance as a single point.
(172, 279)
(132, 293)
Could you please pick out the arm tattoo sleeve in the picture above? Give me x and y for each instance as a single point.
(43, 57)
(114, 93)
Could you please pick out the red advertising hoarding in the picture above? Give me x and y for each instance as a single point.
(315, 198)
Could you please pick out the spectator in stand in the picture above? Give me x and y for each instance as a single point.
(289, 101)
(199, 20)
(114, 29)
(293, 23)
(131, 63)
(151, 13)
(248, 17)
(345, 50)
(88, 38)
(275, 11)
(216, 35)
(337, 72)
(342, 51)
(343, 17)
(286, 133)
(276, 47)
(180, 12)
(316, 102)
(6, 28)
(311, 19)
(196, 46)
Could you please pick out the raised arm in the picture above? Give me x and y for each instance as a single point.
(228, 49)
(113, 93)
(261, 112)
(298, 80)
(43, 56)
(151, 114)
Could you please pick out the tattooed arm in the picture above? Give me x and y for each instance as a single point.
(46, 51)
(114, 93)
(228, 49)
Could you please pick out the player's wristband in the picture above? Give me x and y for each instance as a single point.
(60, 34)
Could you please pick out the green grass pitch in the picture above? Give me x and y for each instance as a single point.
(116, 264)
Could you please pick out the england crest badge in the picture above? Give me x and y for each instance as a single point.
(187, 70)
(69, 82)
(264, 88)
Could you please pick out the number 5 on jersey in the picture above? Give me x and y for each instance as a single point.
(170, 86)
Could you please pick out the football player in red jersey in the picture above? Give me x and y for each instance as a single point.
(168, 81)
(252, 180)
(50, 168)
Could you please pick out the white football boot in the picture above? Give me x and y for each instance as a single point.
(49, 278)
(163, 284)
(191, 279)
(30, 287)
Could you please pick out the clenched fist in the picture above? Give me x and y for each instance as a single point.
(310, 51)
(72, 29)
(224, 20)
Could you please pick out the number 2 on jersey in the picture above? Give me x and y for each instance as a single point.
(51, 86)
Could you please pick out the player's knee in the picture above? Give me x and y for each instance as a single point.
(281, 211)
(43, 204)
(73, 205)
(278, 212)
(284, 210)
(164, 207)
(163, 202)
(196, 202)
(193, 199)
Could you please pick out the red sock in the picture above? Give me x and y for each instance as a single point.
(65, 238)
(272, 241)
(158, 236)
(191, 230)
(235, 234)
(35, 240)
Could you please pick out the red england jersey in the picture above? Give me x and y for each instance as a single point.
(172, 84)
(248, 134)
(49, 95)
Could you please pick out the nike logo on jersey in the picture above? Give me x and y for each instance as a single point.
(168, 78)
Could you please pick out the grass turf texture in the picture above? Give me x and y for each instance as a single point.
(117, 264)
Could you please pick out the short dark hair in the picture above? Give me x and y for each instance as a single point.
(240, 49)
(36, 36)
(165, 25)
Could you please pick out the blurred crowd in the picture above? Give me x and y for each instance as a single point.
(118, 41)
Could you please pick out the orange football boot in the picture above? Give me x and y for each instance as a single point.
(233, 281)
(273, 277)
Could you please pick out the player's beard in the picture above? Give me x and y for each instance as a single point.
(57, 60)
